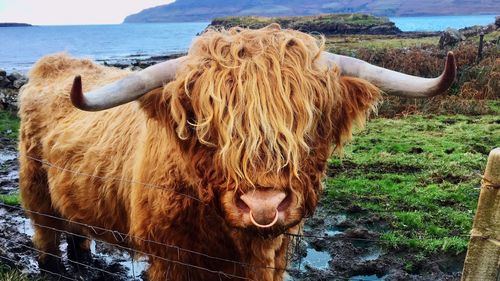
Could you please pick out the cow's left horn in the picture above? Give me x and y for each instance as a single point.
(125, 90)
(392, 82)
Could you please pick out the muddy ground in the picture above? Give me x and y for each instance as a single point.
(335, 246)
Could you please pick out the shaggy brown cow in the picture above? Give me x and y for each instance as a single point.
(221, 161)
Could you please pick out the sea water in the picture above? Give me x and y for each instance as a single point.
(439, 23)
(20, 47)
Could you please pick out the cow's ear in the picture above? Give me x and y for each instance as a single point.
(153, 104)
(358, 98)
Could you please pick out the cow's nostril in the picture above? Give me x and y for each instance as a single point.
(240, 204)
(285, 204)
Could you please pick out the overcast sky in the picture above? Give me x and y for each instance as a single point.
(56, 12)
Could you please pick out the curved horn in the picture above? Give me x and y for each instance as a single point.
(125, 90)
(392, 82)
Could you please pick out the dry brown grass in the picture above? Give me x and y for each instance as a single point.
(476, 82)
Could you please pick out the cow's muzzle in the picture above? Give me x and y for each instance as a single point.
(264, 208)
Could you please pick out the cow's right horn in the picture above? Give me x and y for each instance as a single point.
(125, 90)
(393, 82)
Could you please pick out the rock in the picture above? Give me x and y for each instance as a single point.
(450, 37)
(359, 232)
(19, 83)
(8, 99)
(3, 73)
(4, 81)
(497, 21)
(384, 29)
(15, 76)
(476, 30)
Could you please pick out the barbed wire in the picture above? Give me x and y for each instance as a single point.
(162, 188)
(59, 276)
(185, 264)
(60, 258)
(122, 237)
(300, 236)
(220, 273)
(337, 237)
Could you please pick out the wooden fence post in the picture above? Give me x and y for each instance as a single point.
(483, 254)
(480, 47)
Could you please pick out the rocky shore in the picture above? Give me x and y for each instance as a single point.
(138, 64)
(9, 88)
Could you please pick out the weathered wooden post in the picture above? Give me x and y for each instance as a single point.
(480, 48)
(483, 254)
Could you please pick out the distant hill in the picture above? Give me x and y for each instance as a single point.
(13, 24)
(206, 10)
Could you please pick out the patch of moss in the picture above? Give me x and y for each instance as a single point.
(12, 200)
(9, 125)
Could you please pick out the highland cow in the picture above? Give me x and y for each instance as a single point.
(220, 153)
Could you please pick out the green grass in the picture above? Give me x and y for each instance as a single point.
(9, 125)
(349, 44)
(286, 22)
(494, 105)
(9, 274)
(492, 36)
(422, 173)
(10, 199)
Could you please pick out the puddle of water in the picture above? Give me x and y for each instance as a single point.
(8, 175)
(340, 218)
(30, 265)
(24, 226)
(372, 255)
(307, 228)
(333, 231)
(133, 267)
(4, 157)
(314, 259)
(136, 267)
(366, 278)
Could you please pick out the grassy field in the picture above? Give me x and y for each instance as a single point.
(9, 125)
(421, 173)
(352, 43)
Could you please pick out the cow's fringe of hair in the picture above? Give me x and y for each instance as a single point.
(260, 98)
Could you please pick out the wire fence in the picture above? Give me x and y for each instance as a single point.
(123, 240)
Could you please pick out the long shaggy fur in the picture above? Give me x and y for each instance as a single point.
(259, 97)
(250, 109)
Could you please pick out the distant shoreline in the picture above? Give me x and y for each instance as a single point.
(151, 42)
(14, 24)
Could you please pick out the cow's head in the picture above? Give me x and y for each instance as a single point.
(260, 112)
